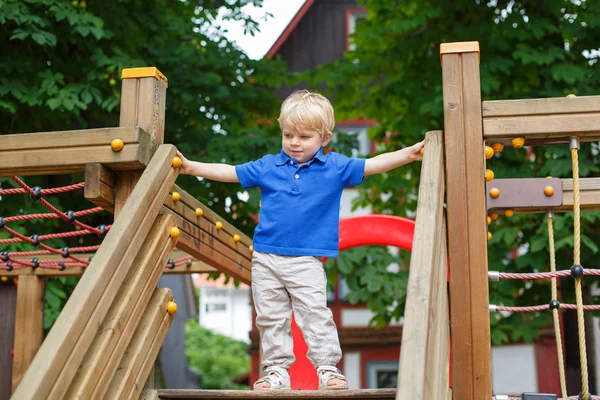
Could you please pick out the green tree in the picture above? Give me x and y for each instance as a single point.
(60, 70)
(529, 49)
(217, 358)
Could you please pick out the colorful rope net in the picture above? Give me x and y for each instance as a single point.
(577, 272)
(70, 256)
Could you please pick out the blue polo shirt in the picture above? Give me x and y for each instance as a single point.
(300, 203)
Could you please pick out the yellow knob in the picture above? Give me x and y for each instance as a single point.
(489, 152)
(489, 219)
(571, 96)
(236, 238)
(548, 191)
(117, 145)
(494, 216)
(4, 279)
(509, 213)
(494, 193)
(497, 147)
(489, 175)
(176, 162)
(172, 307)
(423, 151)
(174, 232)
(175, 196)
(219, 225)
(199, 212)
(517, 142)
(251, 248)
(489, 235)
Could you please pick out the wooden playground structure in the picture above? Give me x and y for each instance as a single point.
(105, 341)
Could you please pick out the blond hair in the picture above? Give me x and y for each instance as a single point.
(307, 110)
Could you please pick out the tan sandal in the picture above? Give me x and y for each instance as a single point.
(278, 378)
(327, 373)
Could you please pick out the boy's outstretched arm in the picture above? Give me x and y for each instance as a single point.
(394, 159)
(212, 171)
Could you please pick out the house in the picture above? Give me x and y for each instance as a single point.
(318, 34)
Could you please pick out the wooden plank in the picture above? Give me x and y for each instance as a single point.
(22, 142)
(150, 354)
(29, 324)
(8, 299)
(438, 339)
(193, 246)
(427, 242)
(134, 356)
(89, 302)
(547, 106)
(466, 227)
(211, 216)
(100, 184)
(206, 230)
(278, 394)
(543, 129)
(126, 310)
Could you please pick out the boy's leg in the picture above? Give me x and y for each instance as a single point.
(273, 312)
(305, 279)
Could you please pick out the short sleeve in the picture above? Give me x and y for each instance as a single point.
(350, 170)
(249, 173)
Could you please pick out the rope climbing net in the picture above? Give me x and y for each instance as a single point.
(15, 260)
(577, 272)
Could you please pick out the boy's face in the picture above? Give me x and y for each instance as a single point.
(302, 144)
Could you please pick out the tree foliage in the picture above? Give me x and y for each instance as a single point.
(217, 358)
(60, 70)
(529, 49)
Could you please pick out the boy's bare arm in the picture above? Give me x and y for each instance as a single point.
(394, 159)
(212, 171)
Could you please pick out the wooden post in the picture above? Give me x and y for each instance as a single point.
(8, 299)
(29, 324)
(467, 236)
(143, 97)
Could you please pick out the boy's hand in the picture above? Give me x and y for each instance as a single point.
(414, 151)
(185, 164)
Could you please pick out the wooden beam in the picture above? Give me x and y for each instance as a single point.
(424, 268)
(91, 298)
(29, 324)
(124, 314)
(8, 299)
(589, 192)
(67, 152)
(467, 229)
(100, 186)
(542, 121)
(140, 352)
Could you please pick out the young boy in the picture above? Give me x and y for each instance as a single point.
(301, 189)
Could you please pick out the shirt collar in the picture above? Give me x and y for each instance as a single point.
(283, 158)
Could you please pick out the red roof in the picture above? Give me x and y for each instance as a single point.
(290, 28)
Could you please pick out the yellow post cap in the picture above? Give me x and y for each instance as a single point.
(143, 72)
(460, 47)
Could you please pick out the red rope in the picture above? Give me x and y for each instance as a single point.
(52, 236)
(52, 215)
(63, 189)
(544, 275)
(546, 307)
(54, 209)
(54, 264)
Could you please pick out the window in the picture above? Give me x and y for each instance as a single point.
(382, 374)
(354, 18)
(357, 139)
(216, 307)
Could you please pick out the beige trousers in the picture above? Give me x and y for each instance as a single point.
(280, 285)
